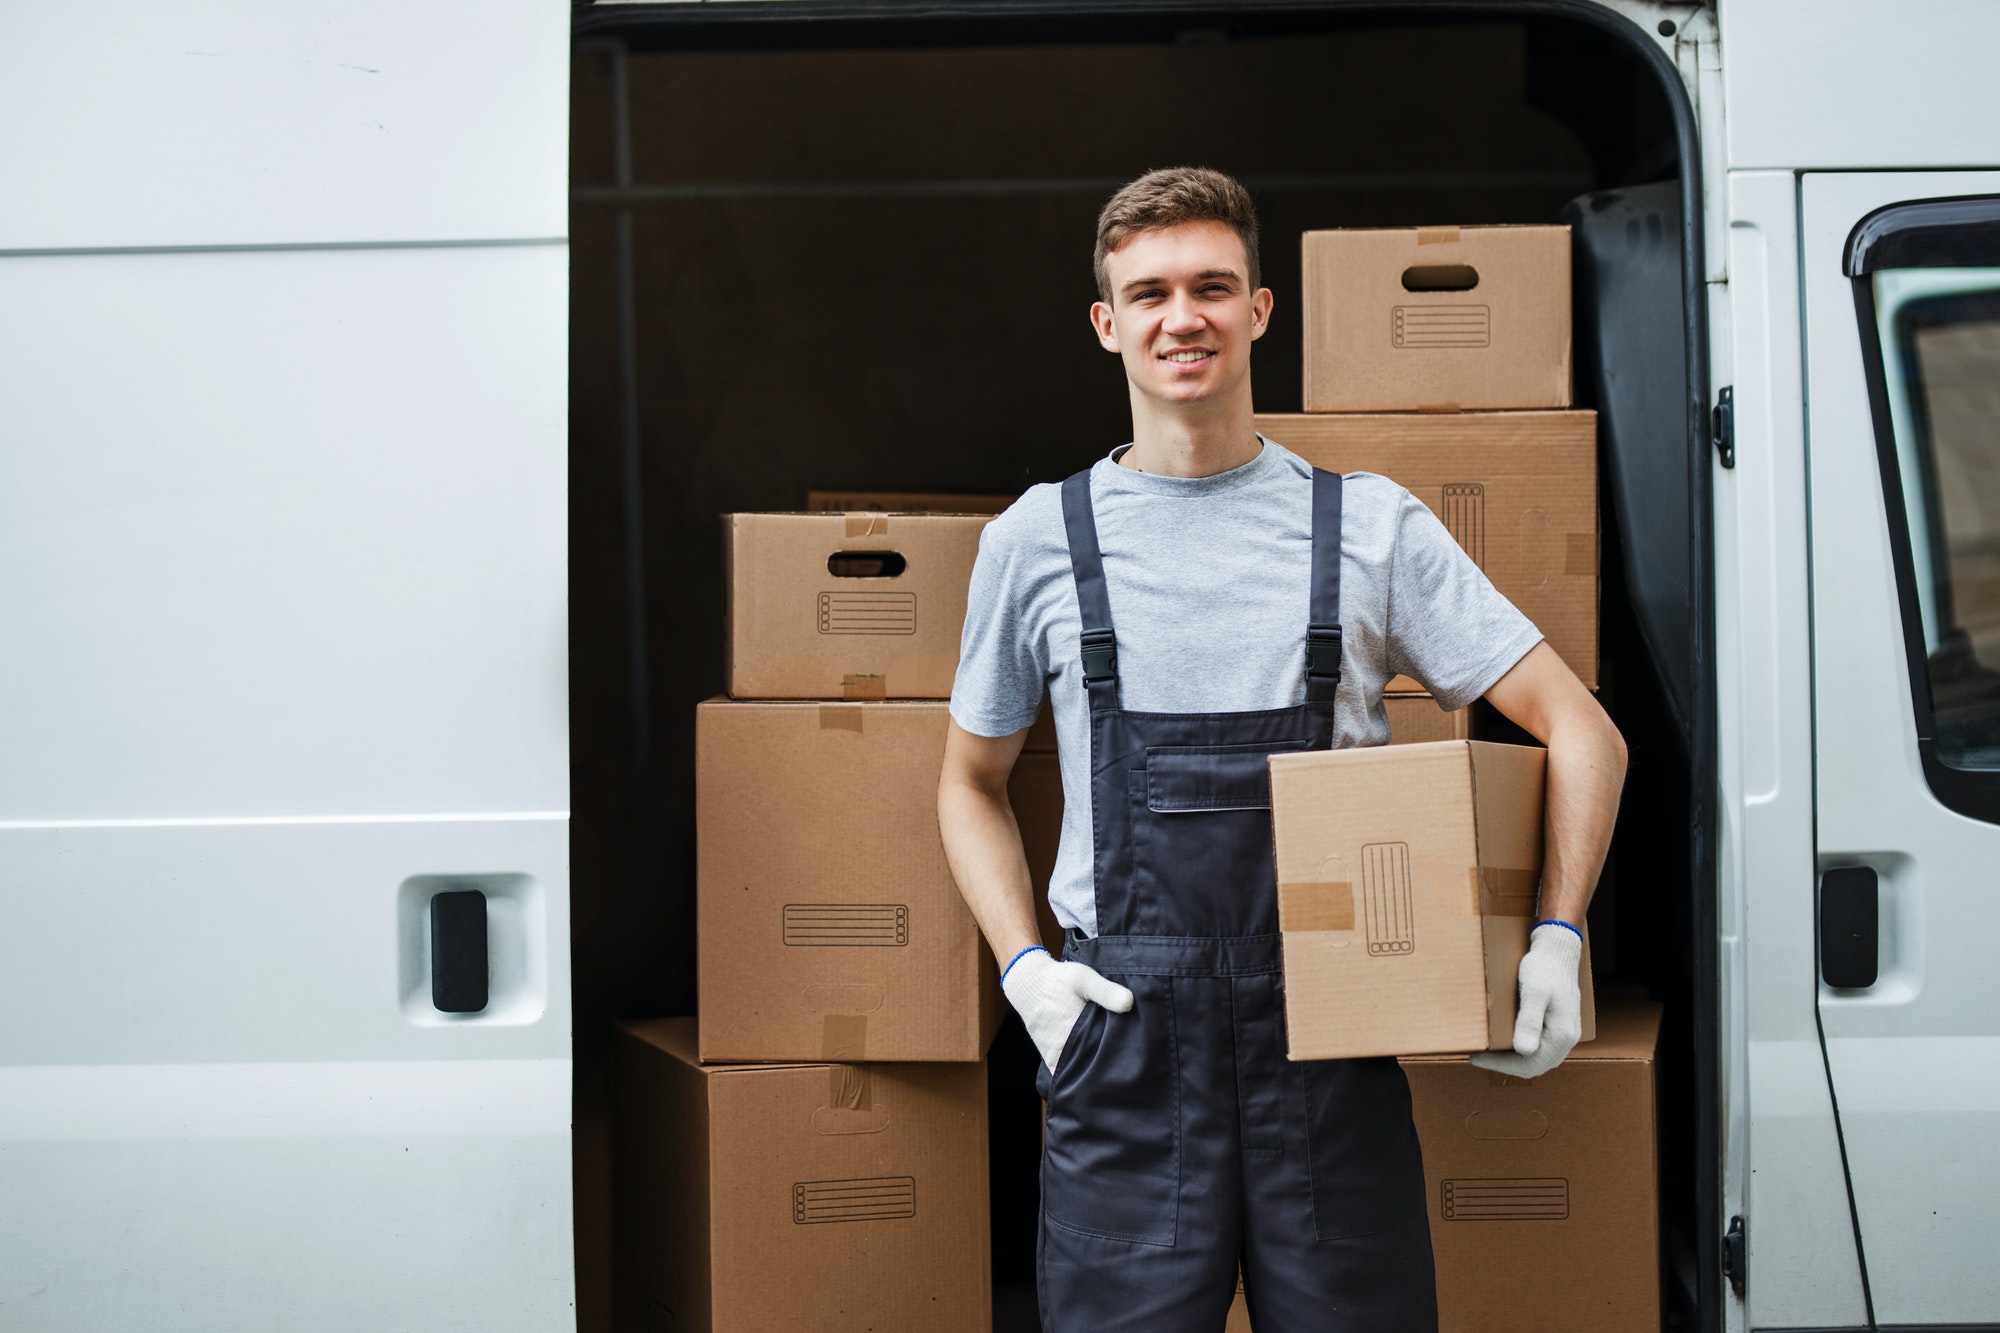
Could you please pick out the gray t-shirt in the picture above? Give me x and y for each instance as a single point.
(1208, 579)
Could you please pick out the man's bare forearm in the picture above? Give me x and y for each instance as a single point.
(982, 840)
(1586, 773)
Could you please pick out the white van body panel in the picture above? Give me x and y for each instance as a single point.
(1819, 84)
(1805, 1276)
(283, 575)
(286, 532)
(224, 122)
(1915, 1059)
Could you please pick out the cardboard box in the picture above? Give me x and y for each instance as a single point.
(847, 606)
(1416, 718)
(1437, 319)
(1517, 489)
(1522, 1170)
(772, 1198)
(905, 502)
(1239, 1311)
(828, 924)
(1407, 878)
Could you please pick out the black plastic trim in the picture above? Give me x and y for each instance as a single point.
(768, 24)
(1971, 792)
(1959, 232)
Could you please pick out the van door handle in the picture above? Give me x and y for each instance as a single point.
(1849, 930)
(459, 965)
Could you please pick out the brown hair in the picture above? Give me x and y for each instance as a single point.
(1169, 198)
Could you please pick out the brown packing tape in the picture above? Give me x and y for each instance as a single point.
(1580, 554)
(847, 1088)
(1316, 905)
(843, 1037)
(865, 523)
(863, 688)
(1503, 891)
(1437, 236)
(840, 717)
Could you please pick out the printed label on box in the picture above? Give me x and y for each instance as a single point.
(1385, 887)
(867, 925)
(1440, 326)
(1505, 1199)
(1465, 517)
(880, 1199)
(867, 613)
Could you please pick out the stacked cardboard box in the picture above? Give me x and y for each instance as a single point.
(824, 1114)
(1439, 357)
(1517, 1171)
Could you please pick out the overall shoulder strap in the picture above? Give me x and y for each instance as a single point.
(1323, 611)
(1100, 644)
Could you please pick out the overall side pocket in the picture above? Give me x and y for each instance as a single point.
(1112, 1156)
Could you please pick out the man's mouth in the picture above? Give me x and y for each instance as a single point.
(1187, 356)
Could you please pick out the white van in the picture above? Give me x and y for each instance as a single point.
(370, 375)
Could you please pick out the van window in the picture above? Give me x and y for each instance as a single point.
(1939, 338)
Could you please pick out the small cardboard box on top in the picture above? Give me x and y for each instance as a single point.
(854, 605)
(1518, 490)
(1407, 881)
(828, 923)
(1519, 1170)
(830, 1197)
(1437, 319)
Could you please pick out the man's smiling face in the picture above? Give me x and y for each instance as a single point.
(1182, 313)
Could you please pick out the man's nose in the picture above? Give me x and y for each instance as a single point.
(1183, 316)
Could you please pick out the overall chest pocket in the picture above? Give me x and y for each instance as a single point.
(1211, 779)
(1204, 853)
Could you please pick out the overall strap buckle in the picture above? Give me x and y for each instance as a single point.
(1323, 651)
(1100, 656)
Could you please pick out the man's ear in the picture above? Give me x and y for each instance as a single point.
(1260, 312)
(1100, 322)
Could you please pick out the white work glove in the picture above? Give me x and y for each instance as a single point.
(1550, 1022)
(1049, 996)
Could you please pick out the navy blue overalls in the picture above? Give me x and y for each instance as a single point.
(1180, 1140)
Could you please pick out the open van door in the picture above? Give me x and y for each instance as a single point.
(284, 960)
(1902, 288)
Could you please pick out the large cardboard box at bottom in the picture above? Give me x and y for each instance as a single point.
(773, 1198)
(852, 605)
(1407, 884)
(1518, 490)
(828, 925)
(1519, 1170)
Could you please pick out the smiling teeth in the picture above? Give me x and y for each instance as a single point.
(1187, 356)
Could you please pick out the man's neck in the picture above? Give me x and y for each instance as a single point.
(1198, 440)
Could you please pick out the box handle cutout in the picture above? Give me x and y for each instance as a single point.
(866, 564)
(1440, 278)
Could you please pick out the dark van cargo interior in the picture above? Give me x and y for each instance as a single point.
(848, 248)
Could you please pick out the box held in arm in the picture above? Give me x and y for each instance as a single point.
(1407, 885)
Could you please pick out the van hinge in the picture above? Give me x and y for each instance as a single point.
(1723, 425)
(1734, 1260)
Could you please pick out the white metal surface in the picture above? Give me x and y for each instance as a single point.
(1804, 1271)
(1914, 1058)
(282, 575)
(228, 122)
(282, 533)
(1861, 83)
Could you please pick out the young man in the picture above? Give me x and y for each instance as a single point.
(1192, 603)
